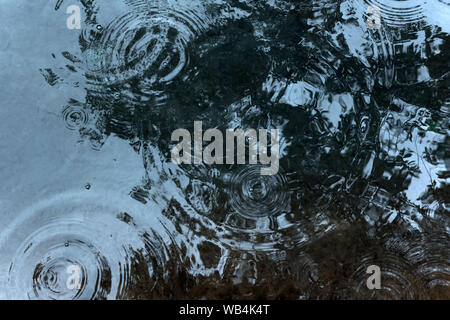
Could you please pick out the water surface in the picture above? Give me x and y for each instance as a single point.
(87, 178)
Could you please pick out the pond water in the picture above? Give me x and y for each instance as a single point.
(89, 190)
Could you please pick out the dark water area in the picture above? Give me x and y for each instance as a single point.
(87, 177)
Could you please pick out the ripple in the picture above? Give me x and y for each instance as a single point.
(406, 13)
(73, 247)
(430, 256)
(253, 195)
(302, 272)
(399, 13)
(150, 44)
(240, 209)
(74, 117)
(133, 58)
(398, 280)
(413, 266)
